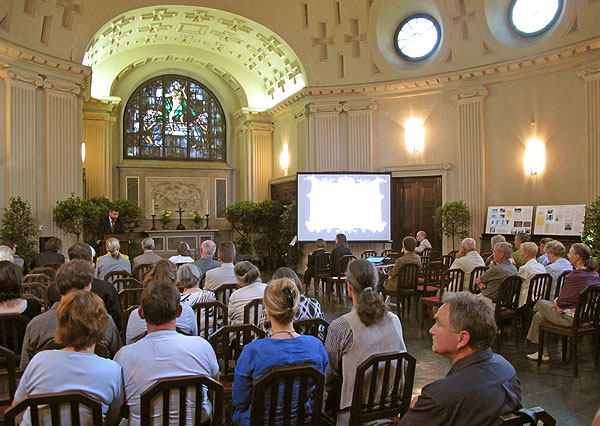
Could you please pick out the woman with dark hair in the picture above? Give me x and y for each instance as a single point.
(10, 292)
(367, 330)
(51, 253)
(249, 287)
(183, 254)
(285, 347)
(113, 260)
(82, 322)
(161, 270)
(561, 310)
(341, 249)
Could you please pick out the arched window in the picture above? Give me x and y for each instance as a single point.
(174, 118)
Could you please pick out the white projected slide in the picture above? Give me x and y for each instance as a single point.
(357, 205)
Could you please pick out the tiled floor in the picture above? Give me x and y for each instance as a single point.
(572, 402)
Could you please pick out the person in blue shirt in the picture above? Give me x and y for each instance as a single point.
(284, 348)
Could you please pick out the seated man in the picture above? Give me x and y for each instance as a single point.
(529, 269)
(467, 259)
(206, 261)
(495, 240)
(165, 353)
(224, 273)
(310, 265)
(542, 257)
(463, 332)
(423, 242)
(51, 254)
(148, 257)
(520, 238)
(408, 248)
(490, 281)
(75, 274)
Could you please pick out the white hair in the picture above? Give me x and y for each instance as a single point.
(469, 244)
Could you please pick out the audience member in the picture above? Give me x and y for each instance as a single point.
(111, 224)
(561, 311)
(250, 288)
(307, 307)
(463, 332)
(542, 257)
(162, 270)
(113, 260)
(73, 275)
(51, 253)
(10, 292)
(81, 324)
(520, 238)
(367, 330)
(224, 273)
(148, 257)
(285, 347)
(467, 259)
(341, 249)
(183, 254)
(165, 353)
(6, 253)
(206, 261)
(15, 257)
(529, 269)
(558, 264)
(188, 276)
(424, 243)
(310, 264)
(409, 257)
(490, 281)
(495, 240)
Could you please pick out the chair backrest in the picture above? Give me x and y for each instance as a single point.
(121, 283)
(560, 280)
(588, 306)
(124, 318)
(8, 363)
(39, 290)
(170, 395)
(210, 316)
(223, 292)
(426, 252)
(322, 263)
(141, 270)
(46, 270)
(433, 273)
(281, 396)
(112, 275)
(408, 278)
(447, 260)
(508, 294)
(316, 327)
(476, 273)
(252, 311)
(539, 288)
(453, 254)
(524, 417)
(387, 252)
(343, 263)
(452, 280)
(228, 342)
(12, 331)
(130, 297)
(425, 260)
(382, 387)
(368, 253)
(37, 278)
(39, 405)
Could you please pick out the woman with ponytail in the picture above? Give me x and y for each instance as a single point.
(249, 287)
(112, 260)
(284, 348)
(368, 329)
(561, 310)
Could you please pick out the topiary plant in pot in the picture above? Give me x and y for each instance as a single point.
(452, 220)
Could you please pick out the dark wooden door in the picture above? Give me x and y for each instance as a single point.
(414, 201)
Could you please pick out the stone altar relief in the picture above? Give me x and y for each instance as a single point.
(171, 193)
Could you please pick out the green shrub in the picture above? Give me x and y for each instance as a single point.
(19, 227)
(452, 220)
(591, 228)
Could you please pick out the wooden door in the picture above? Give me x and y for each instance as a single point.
(414, 201)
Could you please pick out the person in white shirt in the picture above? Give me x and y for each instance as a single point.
(248, 279)
(183, 254)
(467, 259)
(558, 263)
(528, 252)
(224, 273)
(423, 242)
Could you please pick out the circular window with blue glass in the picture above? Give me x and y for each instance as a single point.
(417, 37)
(530, 18)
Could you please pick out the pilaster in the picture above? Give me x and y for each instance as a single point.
(324, 145)
(359, 135)
(590, 73)
(256, 159)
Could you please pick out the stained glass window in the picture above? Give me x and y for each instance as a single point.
(174, 118)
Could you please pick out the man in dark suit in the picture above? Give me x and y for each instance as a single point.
(310, 266)
(51, 254)
(110, 224)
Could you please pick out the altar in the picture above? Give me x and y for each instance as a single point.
(166, 241)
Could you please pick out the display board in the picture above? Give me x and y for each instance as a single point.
(559, 220)
(508, 219)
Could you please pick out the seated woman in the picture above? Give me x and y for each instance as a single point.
(51, 254)
(189, 276)
(367, 330)
(307, 307)
(161, 270)
(557, 262)
(250, 287)
(112, 261)
(82, 322)
(530, 268)
(561, 310)
(183, 254)
(10, 292)
(284, 348)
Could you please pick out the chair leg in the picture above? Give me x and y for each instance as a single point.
(574, 355)
(540, 347)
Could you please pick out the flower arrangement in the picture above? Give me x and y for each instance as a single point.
(165, 215)
(197, 216)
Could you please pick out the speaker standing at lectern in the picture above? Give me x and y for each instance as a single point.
(110, 224)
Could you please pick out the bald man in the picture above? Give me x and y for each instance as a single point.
(467, 259)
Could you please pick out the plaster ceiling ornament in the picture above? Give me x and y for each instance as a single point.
(247, 53)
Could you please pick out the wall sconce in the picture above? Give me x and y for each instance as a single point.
(83, 152)
(83, 177)
(284, 159)
(535, 156)
(414, 135)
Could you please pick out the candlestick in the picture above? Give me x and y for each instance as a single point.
(153, 207)
(207, 207)
(206, 224)
(153, 227)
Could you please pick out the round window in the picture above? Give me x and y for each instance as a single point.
(417, 37)
(530, 18)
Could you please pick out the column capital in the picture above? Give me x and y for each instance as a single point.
(325, 107)
(590, 71)
(363, 105)
(26, 76)
(470, 94)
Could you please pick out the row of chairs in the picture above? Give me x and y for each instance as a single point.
(326, 279)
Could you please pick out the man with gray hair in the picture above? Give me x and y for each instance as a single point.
(424, 243)
(467, 258)
(495, 240)
(206, 261)
(490, 281)
(149, 257)
(463, 332)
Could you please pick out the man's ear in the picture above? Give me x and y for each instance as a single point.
(463, 339)
(141, 312)
(179, 310)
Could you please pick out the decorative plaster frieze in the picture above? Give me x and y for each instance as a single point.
(14, 73)
(325, 107)
(366, 105)
(61, 86)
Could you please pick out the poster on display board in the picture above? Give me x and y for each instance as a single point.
(508, 219)
(559, 220)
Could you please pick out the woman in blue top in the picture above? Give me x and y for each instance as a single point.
(285, 347)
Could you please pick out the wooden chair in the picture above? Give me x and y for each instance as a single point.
(316, 327)
(447, 260)
(476, 273)
(432, 279)
(506, 306)
(426, 253)
(37, 278)
(280, 397)
(368, 253)
(453, 254)
(210, 316)
(539, 288)
(223, 292)
(228, 342)
(46, 270)
(141, 270)
(252, 311)
(407, 288)
(453, 280)
(425, 260)
(112, 275)
(321, 271)
(8, 375)
(39, 405)
(560, 280)
(172, 392)
(130, 297)
(382, 395)
(12, 331)
(585, 322)
(529, 416)
(387, 252)
(39, 290)
(339, 281)
(121, 283)
(124, 318)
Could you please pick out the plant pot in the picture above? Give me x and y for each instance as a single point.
(165, 226)
(197, 226)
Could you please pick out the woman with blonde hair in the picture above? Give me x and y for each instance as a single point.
(113, 260)
(250, 287)
(285, 347)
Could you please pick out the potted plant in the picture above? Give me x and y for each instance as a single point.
(74, 215)
(197, 216)
(19, 227)
(164, 218)
(241, 216)
(452, 220)
(591, 228)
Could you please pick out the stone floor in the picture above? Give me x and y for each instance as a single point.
(572, 402)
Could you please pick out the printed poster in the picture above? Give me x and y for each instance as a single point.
(559, 220)
(508, 219)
